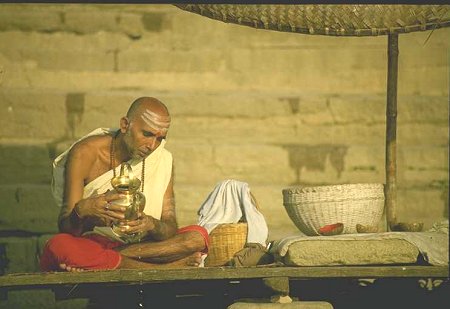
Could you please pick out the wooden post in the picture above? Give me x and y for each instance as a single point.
(391, 132)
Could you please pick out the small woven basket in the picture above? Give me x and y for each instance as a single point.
(227, 239)
(311, 208)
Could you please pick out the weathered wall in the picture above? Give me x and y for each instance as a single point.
(269, 108)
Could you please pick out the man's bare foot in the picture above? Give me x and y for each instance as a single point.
(70, 268)
(194, 260)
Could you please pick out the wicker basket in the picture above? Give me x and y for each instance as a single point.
(227, 239)
(311, 208)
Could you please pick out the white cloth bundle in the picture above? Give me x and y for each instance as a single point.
(227, 203)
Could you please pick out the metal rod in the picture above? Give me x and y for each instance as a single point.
(391, 132)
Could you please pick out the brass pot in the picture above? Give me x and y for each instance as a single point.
(134, 200)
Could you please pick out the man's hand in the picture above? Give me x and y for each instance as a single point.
(101, 206)
(156, 229)
(144, 224)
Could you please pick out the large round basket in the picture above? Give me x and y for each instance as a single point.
(311, 208)
(225, 240)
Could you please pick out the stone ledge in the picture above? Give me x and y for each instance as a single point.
(351, 252)
(292, 305)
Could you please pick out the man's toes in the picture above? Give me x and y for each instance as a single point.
(195, 259)
(192, 263)
(66, 267)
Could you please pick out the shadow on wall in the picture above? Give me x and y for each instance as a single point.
(314, 157)
(26, 203)
(75, 103)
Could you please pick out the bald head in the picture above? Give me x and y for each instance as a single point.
(152, 111)
(152, 104)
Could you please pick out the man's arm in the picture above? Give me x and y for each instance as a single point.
(77, 214)
(167, 226)
(70, 220)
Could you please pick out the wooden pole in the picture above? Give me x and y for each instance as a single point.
(391, 132)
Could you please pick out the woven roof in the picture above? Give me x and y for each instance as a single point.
(336, 20)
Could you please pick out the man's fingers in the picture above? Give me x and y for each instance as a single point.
(114, 215)
(112, 196)
(116, 208)
(132, 223)
(131, 229)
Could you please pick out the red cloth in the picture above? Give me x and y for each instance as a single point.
(201, 230)
(87, 252)
(91, 251)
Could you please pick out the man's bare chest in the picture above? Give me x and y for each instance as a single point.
(100, 167)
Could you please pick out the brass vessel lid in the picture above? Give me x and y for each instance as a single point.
(126, 181)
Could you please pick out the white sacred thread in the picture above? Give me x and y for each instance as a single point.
(156, 122)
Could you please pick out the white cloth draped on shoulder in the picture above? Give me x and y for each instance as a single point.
(158, 170)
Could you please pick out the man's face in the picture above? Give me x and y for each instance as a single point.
(140, 139)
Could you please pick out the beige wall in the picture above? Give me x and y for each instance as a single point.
(269, 108)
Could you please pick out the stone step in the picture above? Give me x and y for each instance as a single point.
(292, 305)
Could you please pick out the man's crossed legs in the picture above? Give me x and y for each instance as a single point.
(95, 252)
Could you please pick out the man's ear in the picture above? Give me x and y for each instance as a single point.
(124, 124)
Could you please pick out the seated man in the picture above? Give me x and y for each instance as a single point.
(82, 187)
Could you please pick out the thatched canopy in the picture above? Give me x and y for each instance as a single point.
(336, 20)
(344, 20)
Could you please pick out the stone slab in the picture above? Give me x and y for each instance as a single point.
(24, 163)
(32, 114)
(26, 19)
(28, 208)
(169, 61)
(36, 299)
(427, 205)
(90, 20)
(351, 252)
(21, 254)
(41, 242)
(293, 305)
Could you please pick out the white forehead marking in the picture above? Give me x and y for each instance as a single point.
(156, 122)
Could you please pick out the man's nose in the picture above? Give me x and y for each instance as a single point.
(151, 144)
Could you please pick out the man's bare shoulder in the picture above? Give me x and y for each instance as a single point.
(90, 148)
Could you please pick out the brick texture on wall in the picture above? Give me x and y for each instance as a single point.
(269, 108)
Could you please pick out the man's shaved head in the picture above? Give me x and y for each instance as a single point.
(152, 112)
(154, 105)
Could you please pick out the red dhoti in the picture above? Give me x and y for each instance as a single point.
(91, 251)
